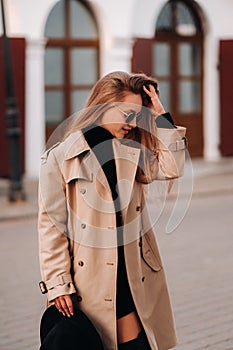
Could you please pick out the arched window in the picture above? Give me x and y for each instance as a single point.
(71, 60)
(177, 64)
(175, 57)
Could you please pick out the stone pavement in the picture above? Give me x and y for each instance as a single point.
(197, 256)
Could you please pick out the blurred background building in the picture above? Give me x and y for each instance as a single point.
(60, 48)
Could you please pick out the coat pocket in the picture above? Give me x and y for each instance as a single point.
(148, 255)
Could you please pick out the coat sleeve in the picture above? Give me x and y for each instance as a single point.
(163, 155)
(55, 262)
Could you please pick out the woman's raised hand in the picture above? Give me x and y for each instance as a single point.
(156, 105)
(64, 305)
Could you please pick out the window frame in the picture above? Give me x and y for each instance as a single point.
(66, 44)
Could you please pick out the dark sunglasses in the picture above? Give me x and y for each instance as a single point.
(130, 116)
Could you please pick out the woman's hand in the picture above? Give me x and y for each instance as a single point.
(64, 305)
(156, 106)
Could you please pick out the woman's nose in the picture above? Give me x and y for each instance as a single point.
(133, 123)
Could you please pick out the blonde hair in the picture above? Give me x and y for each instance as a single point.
(112, 88)
(108, 91)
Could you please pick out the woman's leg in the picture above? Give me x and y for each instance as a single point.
(128, 327)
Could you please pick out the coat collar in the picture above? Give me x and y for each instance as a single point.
(76, 144)
(76, 166)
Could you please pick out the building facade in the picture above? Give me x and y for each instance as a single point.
(71, 43)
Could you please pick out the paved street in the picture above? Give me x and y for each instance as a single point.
(198, 259)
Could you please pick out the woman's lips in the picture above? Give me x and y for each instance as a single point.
(125, 131)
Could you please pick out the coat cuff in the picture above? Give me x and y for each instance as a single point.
(57, 286)
(171, 146)
(172, 140)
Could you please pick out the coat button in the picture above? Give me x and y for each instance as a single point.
(83, 225)
(138, 208)
(83, 191)
(79, 298)
(143, 279)
(81, 263)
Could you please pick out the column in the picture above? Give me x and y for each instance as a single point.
(35, 115)
(211, 101)
(120, 54)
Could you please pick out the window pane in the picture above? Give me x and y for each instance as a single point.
(185, 21)
(164, 22)
(189, 59)
(161, 59)
(54, 106)
(164, 94)
(79, 99)
(190, 100)
(54, 65)
(84, 65)
(55, 25)
(82, 23)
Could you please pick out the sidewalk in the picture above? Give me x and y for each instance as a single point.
(208, 178)
(19, 209)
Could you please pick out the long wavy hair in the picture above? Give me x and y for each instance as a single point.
(106, 93)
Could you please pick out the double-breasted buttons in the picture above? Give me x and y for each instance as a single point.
(81, 263)
(138, 208)
(83, 226)
(83, 190)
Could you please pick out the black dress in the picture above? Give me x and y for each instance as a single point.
(100, 141)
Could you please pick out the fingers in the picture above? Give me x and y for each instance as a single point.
(69, 304)
(150, 92)
(156, 104)
(64, 305)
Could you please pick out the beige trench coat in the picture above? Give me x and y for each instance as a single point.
(78, 245)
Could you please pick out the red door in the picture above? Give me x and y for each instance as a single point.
(226, 93)
(17, 46)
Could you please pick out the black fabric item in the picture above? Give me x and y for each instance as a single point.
(139, 343)
(165, 121)
(58, 332)
(100, 141)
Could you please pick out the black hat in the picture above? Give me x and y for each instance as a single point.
(58, 332)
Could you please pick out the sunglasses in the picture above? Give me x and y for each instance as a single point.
(130, 116)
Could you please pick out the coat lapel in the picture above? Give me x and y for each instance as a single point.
(81, 163)
(127, 159)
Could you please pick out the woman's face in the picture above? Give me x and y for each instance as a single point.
(115, 119)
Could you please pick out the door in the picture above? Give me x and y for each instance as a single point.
(226, 93)
(17, 46)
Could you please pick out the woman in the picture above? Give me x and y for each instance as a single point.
(96, 240)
